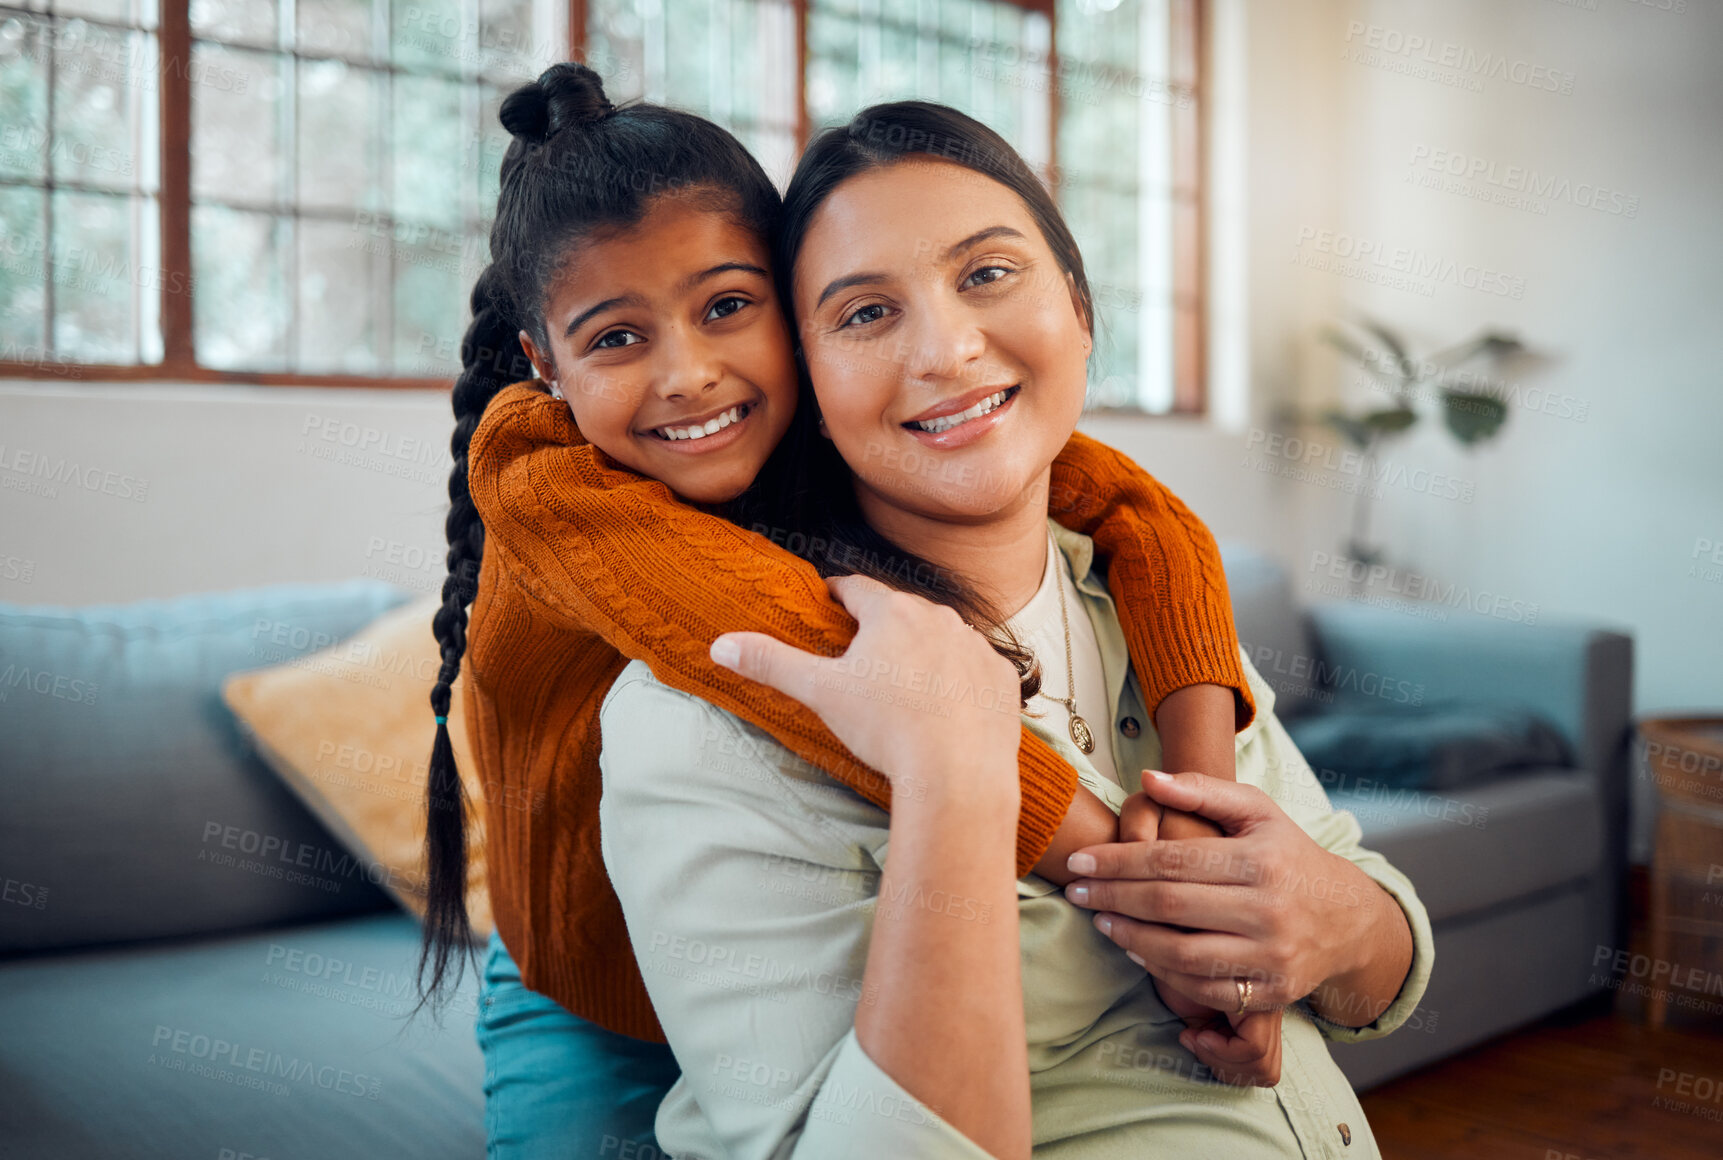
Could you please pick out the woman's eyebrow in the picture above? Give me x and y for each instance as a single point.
(980, 236)
(975, 239)
(844, 283)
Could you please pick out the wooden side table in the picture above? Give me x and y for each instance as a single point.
(1684, 756)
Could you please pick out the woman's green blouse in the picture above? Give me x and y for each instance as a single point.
(749, 880)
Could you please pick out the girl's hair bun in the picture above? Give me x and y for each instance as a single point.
(563, 95)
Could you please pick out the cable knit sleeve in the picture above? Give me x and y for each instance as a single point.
(1164, 571)
(599, 548)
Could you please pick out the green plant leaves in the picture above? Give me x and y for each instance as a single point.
(1362, 430)
(1472, 417)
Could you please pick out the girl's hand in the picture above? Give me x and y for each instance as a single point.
(1239, 1049)
(917, 694)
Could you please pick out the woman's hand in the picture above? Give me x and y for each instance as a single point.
(1265, 904)
(917, 694)
(1238, 1049)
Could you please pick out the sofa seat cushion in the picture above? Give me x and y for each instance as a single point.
(1485, 845)
(292, 1042)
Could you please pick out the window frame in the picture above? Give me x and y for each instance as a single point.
(1189, 38)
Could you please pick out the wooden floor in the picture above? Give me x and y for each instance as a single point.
(1591, 1083)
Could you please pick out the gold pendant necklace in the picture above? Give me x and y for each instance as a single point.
(1081, 735)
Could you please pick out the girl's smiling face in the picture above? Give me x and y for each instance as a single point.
(668, 343)
(945, 344)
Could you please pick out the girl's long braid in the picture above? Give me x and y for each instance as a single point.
(491, 359)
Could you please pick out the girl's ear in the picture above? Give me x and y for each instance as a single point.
(542, 368)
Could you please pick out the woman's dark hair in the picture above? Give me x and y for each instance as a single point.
(817, 502)
(577, 164)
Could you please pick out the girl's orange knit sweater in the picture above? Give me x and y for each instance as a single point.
(587, 565)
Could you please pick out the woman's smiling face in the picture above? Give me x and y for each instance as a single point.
(944, 342)
(667, 341)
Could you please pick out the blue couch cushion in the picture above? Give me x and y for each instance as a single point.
(1435, 747)
(133, 807)
(294, 1042)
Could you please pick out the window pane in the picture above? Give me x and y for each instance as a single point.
(337, 28)
(339, 205)
(337, 328)
(23, 273)
(142, 14)
(731, 60)
(24, 96)
(241, 301)
(338, 103)
(236, 153)
(986, 57)
(616, 48)
(514, 44)
(1115, 150)
(431, 287)
(105, 119)
(235, 21)
(428, 150)
(432, 36)
(493, 142)
(98, 274)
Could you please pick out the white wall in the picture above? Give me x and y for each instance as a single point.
(118, 492)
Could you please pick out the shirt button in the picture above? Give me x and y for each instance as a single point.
(1345, 1135)
(1129, 727)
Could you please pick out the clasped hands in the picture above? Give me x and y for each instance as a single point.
(1198, 909)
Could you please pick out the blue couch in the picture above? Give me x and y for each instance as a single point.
(165, 991)
(169, 987)
(1523, 873)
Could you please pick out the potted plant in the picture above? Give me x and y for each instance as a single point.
(1469, 411)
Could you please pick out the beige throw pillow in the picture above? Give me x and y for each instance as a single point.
(349, 729)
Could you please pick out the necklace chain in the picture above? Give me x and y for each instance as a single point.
(1081, 735)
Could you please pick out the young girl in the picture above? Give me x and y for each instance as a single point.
(631, 264)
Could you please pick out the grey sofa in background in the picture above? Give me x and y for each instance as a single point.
(165, 993)
(1523, 873)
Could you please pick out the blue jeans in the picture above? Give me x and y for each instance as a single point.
(558, 1087)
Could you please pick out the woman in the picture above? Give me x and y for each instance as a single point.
(825, 999)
